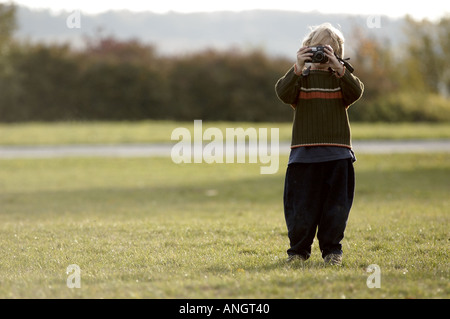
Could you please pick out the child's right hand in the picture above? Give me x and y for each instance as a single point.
(302, 56)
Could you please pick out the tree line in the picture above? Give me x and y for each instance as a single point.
(111, 79)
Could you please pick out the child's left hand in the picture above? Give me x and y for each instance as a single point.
(333, 62)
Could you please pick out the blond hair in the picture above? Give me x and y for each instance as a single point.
(326, 34)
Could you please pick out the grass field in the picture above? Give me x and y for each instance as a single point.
(148, 228)
(160, 131)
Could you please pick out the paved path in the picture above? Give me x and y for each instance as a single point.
(149, 150)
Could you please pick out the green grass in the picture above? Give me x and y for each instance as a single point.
(160, 131)
(148, 228)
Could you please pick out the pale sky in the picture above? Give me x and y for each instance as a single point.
(419, 9)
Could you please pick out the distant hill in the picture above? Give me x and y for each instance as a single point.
(276, 32)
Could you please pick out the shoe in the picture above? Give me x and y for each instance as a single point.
(333, 259)
(293, 258)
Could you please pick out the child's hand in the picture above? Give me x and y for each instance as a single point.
(302, 56)
(333, 62)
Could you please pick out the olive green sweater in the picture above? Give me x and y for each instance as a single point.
(320, 101)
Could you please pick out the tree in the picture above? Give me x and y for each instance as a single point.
(7, 24)
(428, 48)
(9, 88)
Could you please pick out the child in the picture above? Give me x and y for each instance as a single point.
(319, 184)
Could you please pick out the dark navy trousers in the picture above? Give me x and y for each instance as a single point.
(318, 196)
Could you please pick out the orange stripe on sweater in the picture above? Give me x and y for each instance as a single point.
(320, 95)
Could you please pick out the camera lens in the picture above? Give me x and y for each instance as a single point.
(319, 56)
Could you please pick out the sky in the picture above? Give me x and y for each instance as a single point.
(431, 9)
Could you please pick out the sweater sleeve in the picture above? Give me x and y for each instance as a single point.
(352, 88)
(287, 87)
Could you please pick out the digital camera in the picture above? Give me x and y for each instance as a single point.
(318, 55)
